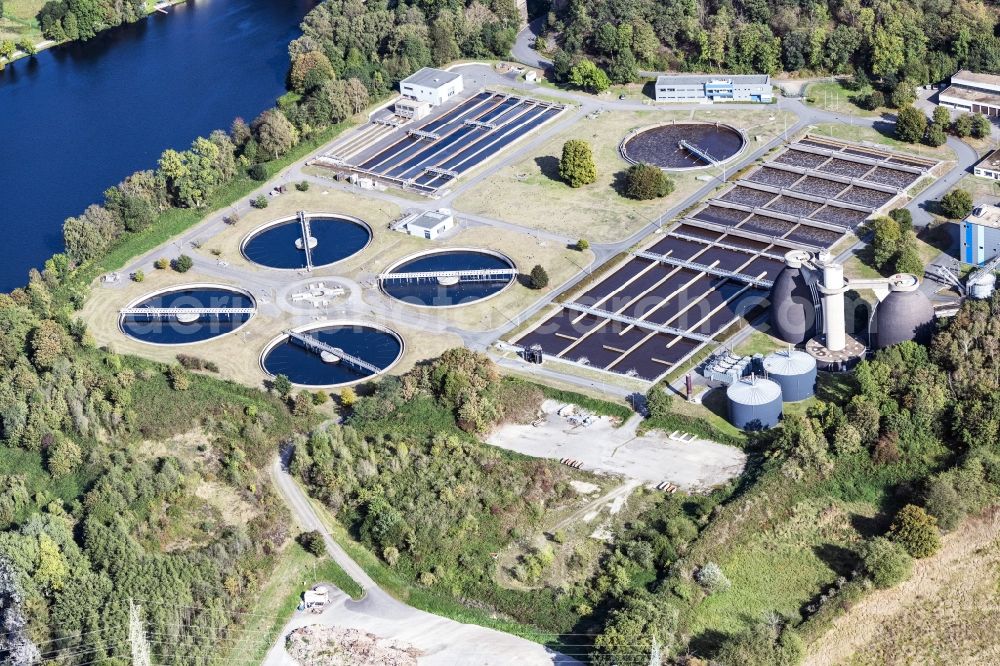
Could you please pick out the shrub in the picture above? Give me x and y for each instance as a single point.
(962, 127)
(577, 166)
(282, 385)
(320, 397)
(941, 116)
(658, 403)
(162, 263)
(182, 264)
(538, 279)
(957, 204)
(885, 562)
(348, 397)
(63, 457)
(179, 378)
(190, 362)
(259, 202)
(258, 172)
(211, 366)
(981, 126)
(903, 218)
(645, 181)
(712, 578)
(916, 531)
(871, 101)
(942, 501)
(302, 404)
(583, 244)
(935, 136)
(302, 186)
(903, 95)
(312, 542)
(138, 276)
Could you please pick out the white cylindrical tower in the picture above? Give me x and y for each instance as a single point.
(833, 288)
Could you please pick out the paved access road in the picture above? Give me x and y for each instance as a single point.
(443, 642)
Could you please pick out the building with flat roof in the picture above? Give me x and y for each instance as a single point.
(430, 224)
(969, 91)
(989, 166)
(411, 108)
(709, 88)
(431, 85)
(979, 236)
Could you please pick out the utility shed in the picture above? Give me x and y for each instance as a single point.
(431, 224)
(434, 86)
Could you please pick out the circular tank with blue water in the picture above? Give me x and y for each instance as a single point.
(187, 314)
(332, 354)
(332, 238)
(447, 278)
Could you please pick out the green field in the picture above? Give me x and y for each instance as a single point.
(19, 21)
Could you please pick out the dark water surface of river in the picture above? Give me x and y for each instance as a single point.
(79, 118)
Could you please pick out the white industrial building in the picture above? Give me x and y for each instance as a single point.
(430, 224)
(434, 86)
(708, 88)
(412, 109)
(971, 91)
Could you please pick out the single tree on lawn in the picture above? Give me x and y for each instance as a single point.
(538, 279)
(645, 181)
(942, 116)
(577, 166)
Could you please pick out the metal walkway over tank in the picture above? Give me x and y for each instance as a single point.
(173, 312)
(705, 268)
(306, 236)
(318, 347)
(633, 321)
(697, 152)
(471, 275)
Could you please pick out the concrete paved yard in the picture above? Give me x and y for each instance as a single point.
(652, 458)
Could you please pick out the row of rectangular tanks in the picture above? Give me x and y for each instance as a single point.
(756, 402)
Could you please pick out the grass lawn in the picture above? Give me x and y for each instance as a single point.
(835, 97)
(278, 598)
(857, 133)
(759, 343)
(19, 22)
(596, 211)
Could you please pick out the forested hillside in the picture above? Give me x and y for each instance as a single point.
(888, 40)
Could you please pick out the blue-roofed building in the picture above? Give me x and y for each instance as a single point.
(979, 236)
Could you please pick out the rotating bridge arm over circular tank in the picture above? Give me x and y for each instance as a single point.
(317, 346)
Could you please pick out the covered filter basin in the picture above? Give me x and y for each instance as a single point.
(754, 403)
(794, 371)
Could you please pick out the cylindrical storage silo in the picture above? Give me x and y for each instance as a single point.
(982, 286)
(754, 403)
(794, 371)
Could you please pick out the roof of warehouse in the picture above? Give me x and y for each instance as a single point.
(431, 78)
(695, 79)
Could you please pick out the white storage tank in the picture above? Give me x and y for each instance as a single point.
(754, 403)
(794, 371)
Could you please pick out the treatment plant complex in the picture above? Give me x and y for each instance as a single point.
(415, 234)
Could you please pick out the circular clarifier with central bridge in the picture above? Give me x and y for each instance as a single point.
(281, 243)
(186, 314)
(448, 278)
(331, 354)
(683, 146)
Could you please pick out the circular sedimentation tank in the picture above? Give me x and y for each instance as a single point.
(186, 322)
(794, 371)
(332, 238)
(448, 290)
(905, 314)
(683, 146)
(333, 362)
(792, 314)
(754, 403)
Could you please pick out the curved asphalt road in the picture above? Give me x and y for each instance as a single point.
(443, 642)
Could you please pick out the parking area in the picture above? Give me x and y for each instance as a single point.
(426, 157)
(654, 458)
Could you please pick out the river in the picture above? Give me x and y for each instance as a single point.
(78, 118)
